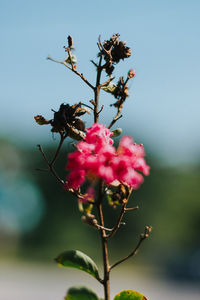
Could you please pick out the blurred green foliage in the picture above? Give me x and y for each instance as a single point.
(168, 200)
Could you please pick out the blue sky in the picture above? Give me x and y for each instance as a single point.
(163, 108)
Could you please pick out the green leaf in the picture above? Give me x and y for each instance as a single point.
(129, 295)
(80, 293)
(79, 260)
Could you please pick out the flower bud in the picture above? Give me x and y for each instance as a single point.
(117, 132)
(131, 73)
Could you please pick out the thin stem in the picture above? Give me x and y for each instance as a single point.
(58, 150)
(131, 208)
(106, 282)
(73, 70)
(119, 108)
(51, 164)
(118, 223)
(116, 118)
(107, 82)
(143, 237)
(86, 105)
(119, 220)
(128, 256)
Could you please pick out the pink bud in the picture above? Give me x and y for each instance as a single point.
(131, 73)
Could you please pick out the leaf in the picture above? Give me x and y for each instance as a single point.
(109, 87)
(79, 260)
(129, 295)
(81, 293)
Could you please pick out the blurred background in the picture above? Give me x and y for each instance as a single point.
(38, 219)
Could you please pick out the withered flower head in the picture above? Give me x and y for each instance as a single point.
(70, 44)
(120, 195)
(66, 120)
(70, 41)
(121, 91)
(114, 50)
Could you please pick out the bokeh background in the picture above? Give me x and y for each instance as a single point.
(38, 219)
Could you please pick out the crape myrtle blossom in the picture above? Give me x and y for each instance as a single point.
(96, 157)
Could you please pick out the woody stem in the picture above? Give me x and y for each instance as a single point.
(96, 91)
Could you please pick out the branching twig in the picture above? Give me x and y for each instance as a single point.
(90, 220)
(118, 223)
(119, 220)
(143, 237)
(100, 109)
(51, 163)
(73, 70)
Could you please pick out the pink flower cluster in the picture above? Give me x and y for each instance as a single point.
(96, 157)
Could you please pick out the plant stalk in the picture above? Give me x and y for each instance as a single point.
(104, 243)
(96, 92)
(106, 280)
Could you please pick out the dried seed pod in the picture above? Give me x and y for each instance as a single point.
(113, 51)
(67, 121)
(70, 41)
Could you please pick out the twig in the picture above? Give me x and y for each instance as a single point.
(97, 90)
(131, 208)
(51, 164)
(143, 237)
(70, 58)
(118, 223)
(119, 220)
(107, 82)
(104, 228)
(86, 105)
(104, 243)
(100, 109)
(94, 63)
(58, 149)
(73, 70)
(116, 118)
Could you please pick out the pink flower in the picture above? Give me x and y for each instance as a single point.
(135, 153)
(75, 179)
(97, 158)
(98, 135)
